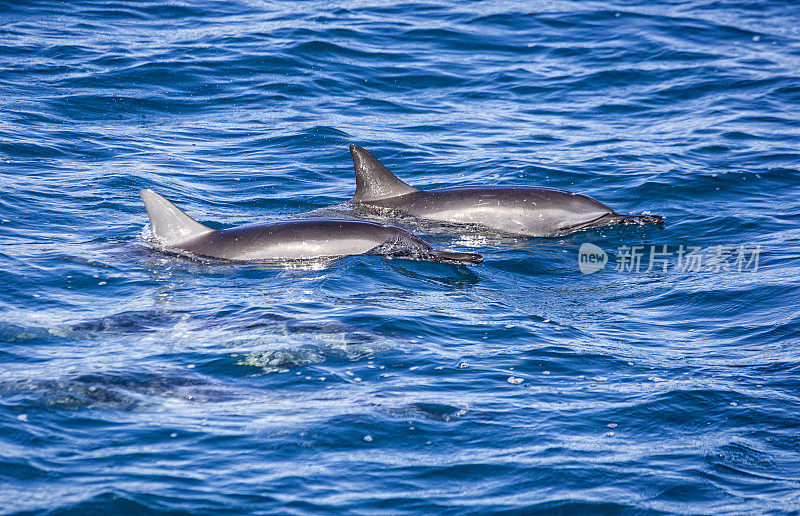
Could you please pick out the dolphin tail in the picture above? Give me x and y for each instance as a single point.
(457, 258)
(373, 180)
(170, 226)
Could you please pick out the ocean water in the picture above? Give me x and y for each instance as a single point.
(135, 382)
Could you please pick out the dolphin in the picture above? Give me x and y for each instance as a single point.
(307, 239)
(518, 210)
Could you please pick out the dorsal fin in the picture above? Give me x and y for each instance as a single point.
(373, 180)
(170, 226)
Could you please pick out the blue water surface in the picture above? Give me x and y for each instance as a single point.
(138, 382)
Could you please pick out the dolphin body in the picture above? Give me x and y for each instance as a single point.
(298, 240)
(520, 210)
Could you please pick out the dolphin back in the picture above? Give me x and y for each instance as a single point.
(170, 226)
(373, 180)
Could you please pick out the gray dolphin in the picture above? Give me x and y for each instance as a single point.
(520, 210)
(297, 240)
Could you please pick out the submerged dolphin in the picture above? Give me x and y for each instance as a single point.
(298, 240)
(521, 210)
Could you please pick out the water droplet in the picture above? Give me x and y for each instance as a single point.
(173, 435)
(22, 417)
(368, 438)
(513, 380)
